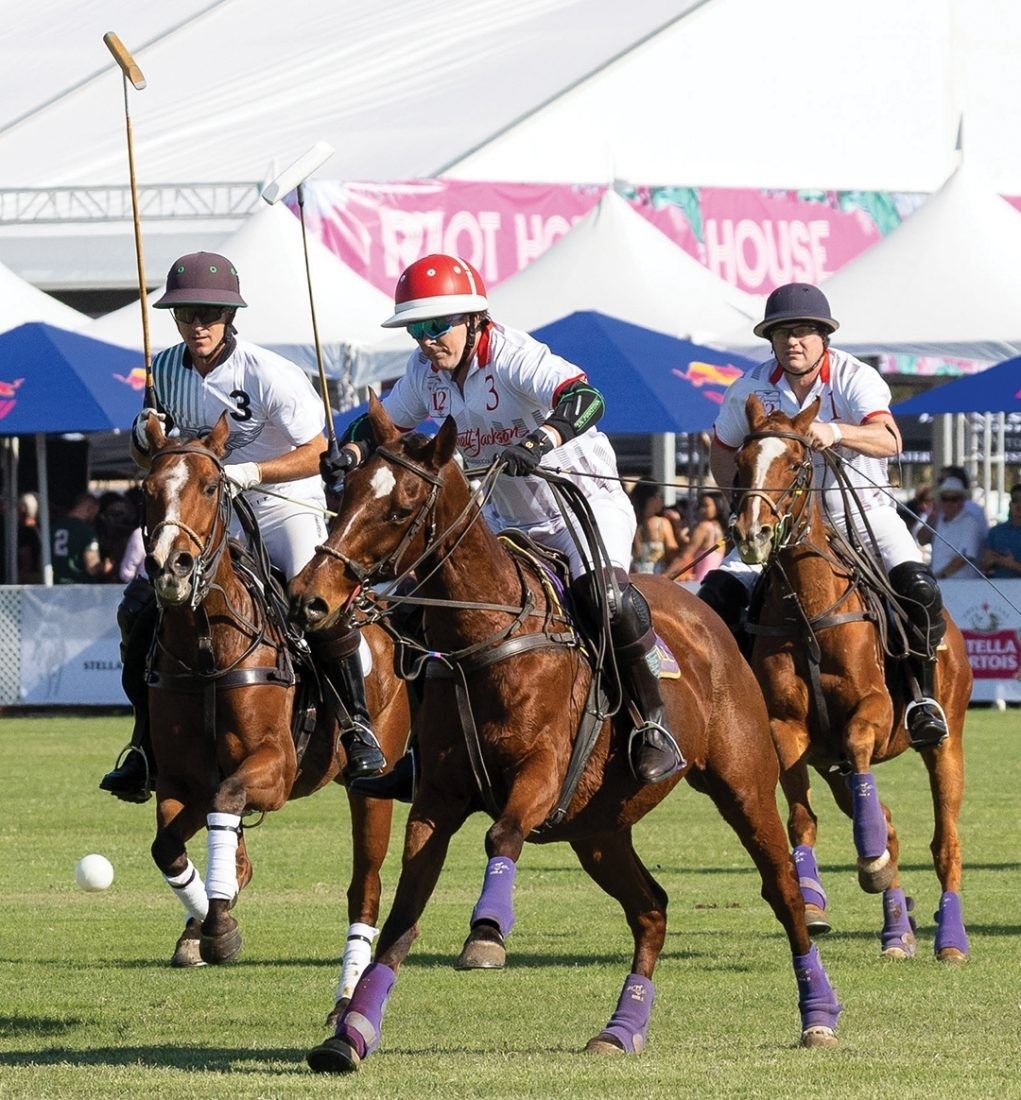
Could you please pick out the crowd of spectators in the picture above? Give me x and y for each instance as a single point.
(683, 542)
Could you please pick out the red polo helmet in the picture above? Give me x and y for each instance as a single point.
(437, 286)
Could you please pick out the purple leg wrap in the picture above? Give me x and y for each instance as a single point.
(808, 876)
(496, 903)
(630, 1019)
(816, 999)
(361, 1021)
(950, 931)
(869, 820)
(898, 924)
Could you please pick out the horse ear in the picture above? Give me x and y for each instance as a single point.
(383, 429)
(756, 412)
(440, 449)
(806, 416)
(154, 433)
(217, 438)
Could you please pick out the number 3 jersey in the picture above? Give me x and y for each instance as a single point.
(270, 405)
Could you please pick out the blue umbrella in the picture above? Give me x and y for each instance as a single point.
(997, 389)
(52, 380)
(652, 382)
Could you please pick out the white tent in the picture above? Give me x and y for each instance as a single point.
(268, 254)
(944, 282)
(21, 302)
(615, 262)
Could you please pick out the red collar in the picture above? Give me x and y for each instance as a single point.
(824, 372)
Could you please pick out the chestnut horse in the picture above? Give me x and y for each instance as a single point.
(860, 721)
(410, 507)
(221, 696)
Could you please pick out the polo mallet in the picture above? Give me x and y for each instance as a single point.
(293, 178)
(133, 74)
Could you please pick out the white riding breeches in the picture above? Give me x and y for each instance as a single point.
(290, 533)
(616, 526)
(895, 542)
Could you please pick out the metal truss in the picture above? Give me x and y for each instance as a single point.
(161, 201)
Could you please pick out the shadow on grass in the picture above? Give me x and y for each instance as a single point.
(39, 1025)
(212, 1059)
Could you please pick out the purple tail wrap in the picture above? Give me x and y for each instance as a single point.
(950, 931)
(816, 999)
(898, 926)
(361, 1021)
(808, 876)
(869, 820)
(630, 1019)
(496, 902)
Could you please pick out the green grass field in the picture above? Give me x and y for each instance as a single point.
(89, 1007)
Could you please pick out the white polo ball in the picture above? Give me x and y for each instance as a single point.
(93, 873)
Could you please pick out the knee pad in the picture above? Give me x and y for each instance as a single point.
(137, 598)
(916, 583)
(586, 592)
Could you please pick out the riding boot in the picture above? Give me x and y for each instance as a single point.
(338, 661)
(134, 774)
(653, 754)
(398, 784)
(922, 601)
(728, 597)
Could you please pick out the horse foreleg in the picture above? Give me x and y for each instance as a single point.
(747, 802)
(791, 740)
(612, 862)
(431, 824)
(530, 800)
(874, 838)
(946, 781)
(178, 818)
(370, 830)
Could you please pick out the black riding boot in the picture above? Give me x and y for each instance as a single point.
(134, 775)
(921, 599)
(338, 661)
(728, 597)
(398, 784)
(653, 754)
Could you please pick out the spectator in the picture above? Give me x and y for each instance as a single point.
(707, 538)
(919, 510)
(971, 507)
(117, 518)
(76, 558)
(1002, 558)
(957, 536)
(29, 545)
(654, 544)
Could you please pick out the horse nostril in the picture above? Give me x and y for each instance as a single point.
(181, 563)
(315, 610)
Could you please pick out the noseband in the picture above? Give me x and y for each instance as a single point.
(782, 534)
(210, 548)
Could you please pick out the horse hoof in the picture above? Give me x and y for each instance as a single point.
(482, 952)
(224, 948)
(816, 920)
(903, 950)
(604, 1044)
(186, 952)
(334, 1017)
(876, 875)
(333, 1056)
(819, 1036)
(951, 955)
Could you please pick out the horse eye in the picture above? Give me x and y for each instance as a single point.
(209, 490)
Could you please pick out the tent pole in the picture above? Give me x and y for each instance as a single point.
(43, 477)
(10, 479)
(987, 466)
(664, 464)
(959, 451)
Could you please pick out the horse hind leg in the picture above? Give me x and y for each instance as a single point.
(612, 862)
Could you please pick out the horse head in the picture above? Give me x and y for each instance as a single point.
(187, 512)
(774, 470)
(386, 523)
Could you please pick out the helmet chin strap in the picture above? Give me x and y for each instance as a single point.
(475, 326)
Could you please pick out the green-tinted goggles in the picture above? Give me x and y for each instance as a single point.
(434, 327)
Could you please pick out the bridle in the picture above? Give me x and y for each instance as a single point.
(210, 548)
(786, 533)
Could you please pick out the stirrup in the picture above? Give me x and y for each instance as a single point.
(679, 763)
(138, 794)
(938, 713)
(362, 737)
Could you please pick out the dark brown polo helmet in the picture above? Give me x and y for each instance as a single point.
(202, 279)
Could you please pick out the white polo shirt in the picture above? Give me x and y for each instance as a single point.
(850, 391)
(511, 388)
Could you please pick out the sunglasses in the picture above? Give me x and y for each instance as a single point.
(434, 328)
(785, 332)
(205, 315)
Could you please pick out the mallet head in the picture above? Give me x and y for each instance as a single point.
(124, 60)
(298, 172)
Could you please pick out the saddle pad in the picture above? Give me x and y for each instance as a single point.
(364, 655)
(668, 668)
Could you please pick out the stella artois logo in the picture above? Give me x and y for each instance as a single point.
(994, 650)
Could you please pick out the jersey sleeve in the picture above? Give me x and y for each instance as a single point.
(291, 403)
(864, 394)
(731, 424)
(405, 402)
(538, 373)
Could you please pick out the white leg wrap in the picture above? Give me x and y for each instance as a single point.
(221, 868)
(357, 956)
(190, 891)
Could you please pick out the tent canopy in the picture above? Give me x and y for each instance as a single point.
(995, 390)
(54, 381)
(267, 252)
(614, 261)
(651, 382)
(21, 302)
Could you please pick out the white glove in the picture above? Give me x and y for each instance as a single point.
(138, 428)
(244, 475)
